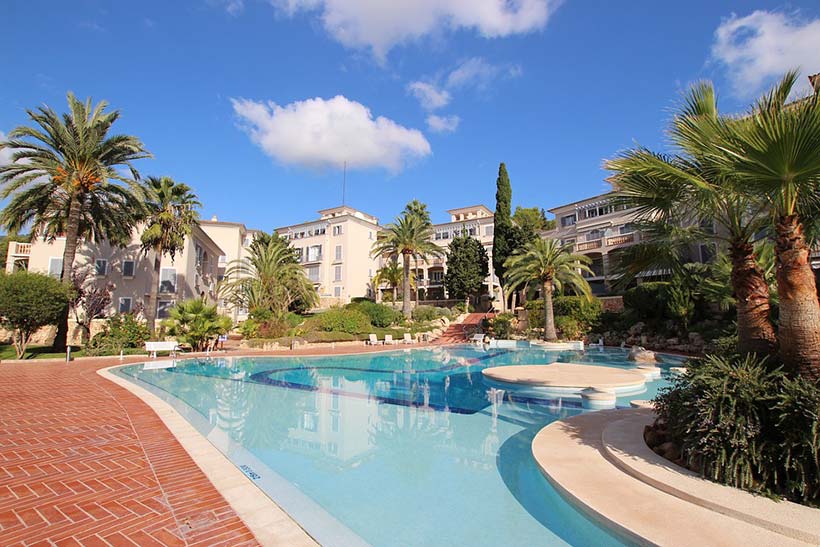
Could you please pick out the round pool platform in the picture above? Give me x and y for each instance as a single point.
(568, 377)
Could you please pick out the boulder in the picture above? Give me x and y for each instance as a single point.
(639, 354)
(668, 450)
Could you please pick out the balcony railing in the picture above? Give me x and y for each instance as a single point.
(22, 249)
(620, 240)
(314, 258)
(587, 245)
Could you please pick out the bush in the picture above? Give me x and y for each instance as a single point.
(195, 323)
(461, 307)
(649, 300)
(741, 424)
(122, 331)
(29, 301)
(378, 314)
(430, 313)
(342, 320)
(568, 328)
(583, 311)
(502, 325)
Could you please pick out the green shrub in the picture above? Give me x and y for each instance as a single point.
(430, 313)
(502, 325)
(649, 300)
(461, 307)
(379, 314)
(342, 320)
(196, 323)
(249, 329)
(29, 301)
(121, 331)
(741, 424)
(568, 328)
(585, 312)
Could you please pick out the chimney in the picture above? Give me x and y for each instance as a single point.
(814, 80)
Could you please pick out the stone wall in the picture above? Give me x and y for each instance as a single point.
(45, 336)
(612, 303)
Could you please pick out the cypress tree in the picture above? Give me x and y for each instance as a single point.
(502, 233)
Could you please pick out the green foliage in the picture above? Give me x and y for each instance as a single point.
(461, 307)
(467, 267)
(378, 314)
(431, 313)
(502, 222)
(532, 219)
(29, 301)
(681, 305)
(585, 311)
(350, 321)
(648, 300)
(742, 424)
(502, 325)
(568, 327)
(121, 332)
(194, 322)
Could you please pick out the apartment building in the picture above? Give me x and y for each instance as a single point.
(129, 271)
(234, 238)
(477, 221)
(335, 253)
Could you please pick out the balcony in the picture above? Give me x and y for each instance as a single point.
(21, 249)
(309, 259)
(620, 240)
(587, 245)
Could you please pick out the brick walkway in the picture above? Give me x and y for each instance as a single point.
(85, 462)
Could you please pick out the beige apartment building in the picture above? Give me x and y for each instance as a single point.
(335, 253)
(192, 273)
(234, 238)
(478, 222)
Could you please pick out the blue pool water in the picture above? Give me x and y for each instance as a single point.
(409, 447)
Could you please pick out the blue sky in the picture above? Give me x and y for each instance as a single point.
(258, 104)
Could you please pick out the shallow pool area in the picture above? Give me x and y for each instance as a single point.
(403, 447)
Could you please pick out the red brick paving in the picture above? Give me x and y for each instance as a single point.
(85, 462)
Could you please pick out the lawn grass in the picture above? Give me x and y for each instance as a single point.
(44, 352)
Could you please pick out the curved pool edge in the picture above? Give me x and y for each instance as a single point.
(572, 456)
(268, 522)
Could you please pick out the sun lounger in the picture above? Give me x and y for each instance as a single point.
(373, 340)
(477, 338)
(408, 339)
(388, 339)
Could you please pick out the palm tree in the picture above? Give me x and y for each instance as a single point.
(776, 157)
(408, 236)
(64, 179)
(679, 197)
(391, 274)
(269, 279)
(171, 217)
(553, 266)
(415, 207)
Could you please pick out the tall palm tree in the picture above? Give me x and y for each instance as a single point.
(676, 195)
(391, 274)
(415, 207)
(553, 266)
(269, 279)
(776, 156)
(171, 216)
(65, 179)
(408, 236)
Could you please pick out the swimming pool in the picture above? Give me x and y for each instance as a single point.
(407, 447)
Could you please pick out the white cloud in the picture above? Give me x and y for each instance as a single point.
(761, 47)
(318, 133)
(233, 7)
(5, 153)
(442, 124)
(382, 24)
(430, 96)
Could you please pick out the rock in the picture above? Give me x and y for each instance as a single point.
(672, 341)
(641, 355)
(637, 328)
(650, 437)
(445, 322)
(669, 450)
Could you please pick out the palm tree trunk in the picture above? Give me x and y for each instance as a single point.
(754, 328)
(72, 230)
(151, 308)
(799, 326)
(416, 260)
(405, 305)
(549, 319)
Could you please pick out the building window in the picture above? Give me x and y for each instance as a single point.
(164, 308)
(313, 273)
(338, 252)
(168, 280)
(55, 267)
(488, 230)
(593, 235)
(100, 266)
(125, 305)
(128, 268)
(369, 235)
(309, 421)
(568, 220)
(335, 422)
(223, 260)
(337, 292)
(337, 273)
(437, 275)
(337, 230)
(314, 253)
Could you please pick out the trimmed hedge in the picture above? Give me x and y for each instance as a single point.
(343, 320)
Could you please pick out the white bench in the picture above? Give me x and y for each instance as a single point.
(154, 347)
